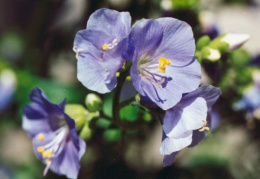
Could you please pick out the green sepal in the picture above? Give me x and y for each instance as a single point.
(78, 113)
(85, 132)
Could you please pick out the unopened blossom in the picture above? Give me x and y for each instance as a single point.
(99, 49)
(234, 40)
(55, 139)
(164, 66)
(186, 124)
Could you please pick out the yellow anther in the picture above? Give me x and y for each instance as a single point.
(204, 127)
(48, 161)
(162, 64)
(168, 62)
(105, 47)
(40, 149)
(128, 78)
(40, 137)
(47, 154)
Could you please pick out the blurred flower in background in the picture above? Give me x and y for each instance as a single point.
(8, 85)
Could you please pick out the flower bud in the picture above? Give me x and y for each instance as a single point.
(210, 54)
(93, 102)
(234, 40)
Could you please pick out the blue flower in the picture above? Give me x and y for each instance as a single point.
(164, 66)
(186, 124)
(250, 101)
(99, 49)
(55, 139)
(7, 88)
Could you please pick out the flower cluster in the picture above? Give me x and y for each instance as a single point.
(164, 71)
(159, 56)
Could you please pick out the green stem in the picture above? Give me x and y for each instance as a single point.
(105, 116)
(116, 98)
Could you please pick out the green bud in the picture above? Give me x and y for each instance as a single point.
(202, 42)
(93, 102)
(128, 78)
(210, 54)
(239, 58)
(112, 135)
(78, 113)
(147, 117)
(103, 123)
(86, 132)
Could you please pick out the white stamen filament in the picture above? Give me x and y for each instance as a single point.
(58, 143)
(113, 44)
(47, 168)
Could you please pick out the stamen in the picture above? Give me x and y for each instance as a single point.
(40, 149)
(40, 137)
(160, 83)
(47, 154)
(162, 64)
(77, 51)
(48, 162)
(204, 127)
(109, 46)
(105, 47)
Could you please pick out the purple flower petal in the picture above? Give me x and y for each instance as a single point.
(169, 159)
(35, 120)
(67, 163)
(117, 24)
(209, 93)
(178, 43)
(85, 39)
(170, 145)
(185, 117)
(146, 36)
(94, 73)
